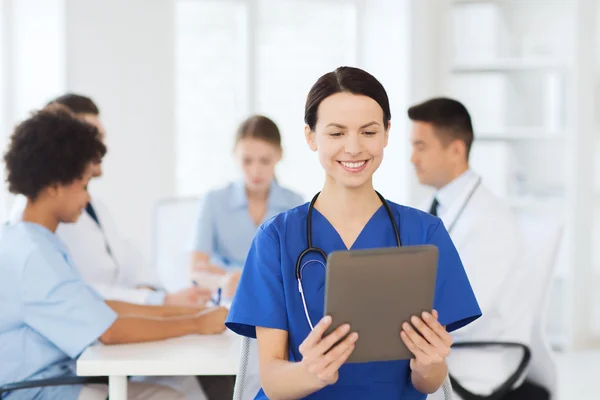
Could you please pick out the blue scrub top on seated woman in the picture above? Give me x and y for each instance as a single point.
(267, 295)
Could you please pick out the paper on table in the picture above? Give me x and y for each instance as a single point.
(209, 280)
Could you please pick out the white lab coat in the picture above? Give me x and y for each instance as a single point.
(113, 276)
(487, 238)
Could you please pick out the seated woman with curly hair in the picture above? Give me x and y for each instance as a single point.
(49, 315)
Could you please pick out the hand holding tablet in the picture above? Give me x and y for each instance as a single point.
(322, 356)
(428, 340)
(376, 292)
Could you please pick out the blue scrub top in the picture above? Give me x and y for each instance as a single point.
(224, 228)
(267, 295)
(49, 315)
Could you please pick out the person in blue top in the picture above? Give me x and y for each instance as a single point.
(49, 315)
(347, 117)
(228, 217)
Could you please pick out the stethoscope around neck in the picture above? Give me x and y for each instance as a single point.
(312, 249)
(464, 205)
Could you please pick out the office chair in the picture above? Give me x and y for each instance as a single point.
(537, 368)
(174, 222)
(61, 381)
(247, 383)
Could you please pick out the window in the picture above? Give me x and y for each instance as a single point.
(234, 58)
(33, 65)
(297, 41)
(211, 90)
(4, 126)
(39, 54)
(238, 57)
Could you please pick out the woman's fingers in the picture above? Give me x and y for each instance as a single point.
(417, 340)
(323, 356)
(329, 363)
(429, 334)
(320, 362)
(314, 337)
(435, 326)
(330, 370)
(417, 352)
(330, 340)
(337, 351)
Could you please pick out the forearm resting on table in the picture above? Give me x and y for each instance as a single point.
(432, 381)
(135, 329)
(286, 380)
(129, 309)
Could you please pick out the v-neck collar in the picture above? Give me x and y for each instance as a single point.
(331, 237)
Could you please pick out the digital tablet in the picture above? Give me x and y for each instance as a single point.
(375, 291)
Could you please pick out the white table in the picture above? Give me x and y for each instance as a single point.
(188, 355)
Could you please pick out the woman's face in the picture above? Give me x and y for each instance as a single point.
(71, 199)
(258, 159)
(349, 138)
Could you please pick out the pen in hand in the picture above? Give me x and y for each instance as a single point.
(219, 292)
(217, 301)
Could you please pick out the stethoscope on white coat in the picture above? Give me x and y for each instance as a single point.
(310, 248)
(464, 205)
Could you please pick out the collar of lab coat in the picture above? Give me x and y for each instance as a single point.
(452, 196)
(239, 199)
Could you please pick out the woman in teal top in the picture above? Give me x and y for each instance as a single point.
(229, 217)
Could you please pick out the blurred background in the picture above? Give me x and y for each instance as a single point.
(174, 78)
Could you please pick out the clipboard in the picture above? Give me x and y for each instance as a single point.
(376, 291)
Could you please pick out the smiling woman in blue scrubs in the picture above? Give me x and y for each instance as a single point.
(347, 117)
(229, 217)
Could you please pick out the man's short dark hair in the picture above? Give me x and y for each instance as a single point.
(77, 103)
(449, 117)
(50, 147)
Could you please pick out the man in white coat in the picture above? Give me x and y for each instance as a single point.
(486, 235)
(115, 269)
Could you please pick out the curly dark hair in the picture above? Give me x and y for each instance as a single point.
(50, 147)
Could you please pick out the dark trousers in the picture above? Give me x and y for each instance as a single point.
(217, 387)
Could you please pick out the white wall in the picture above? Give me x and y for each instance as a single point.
(424, 58)
(38, 39)
(581, 195)
(121, 54)
(374, 35)
(551, 168)
(130, 74)
(5, 88)
(33, 71)
(385, 36)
